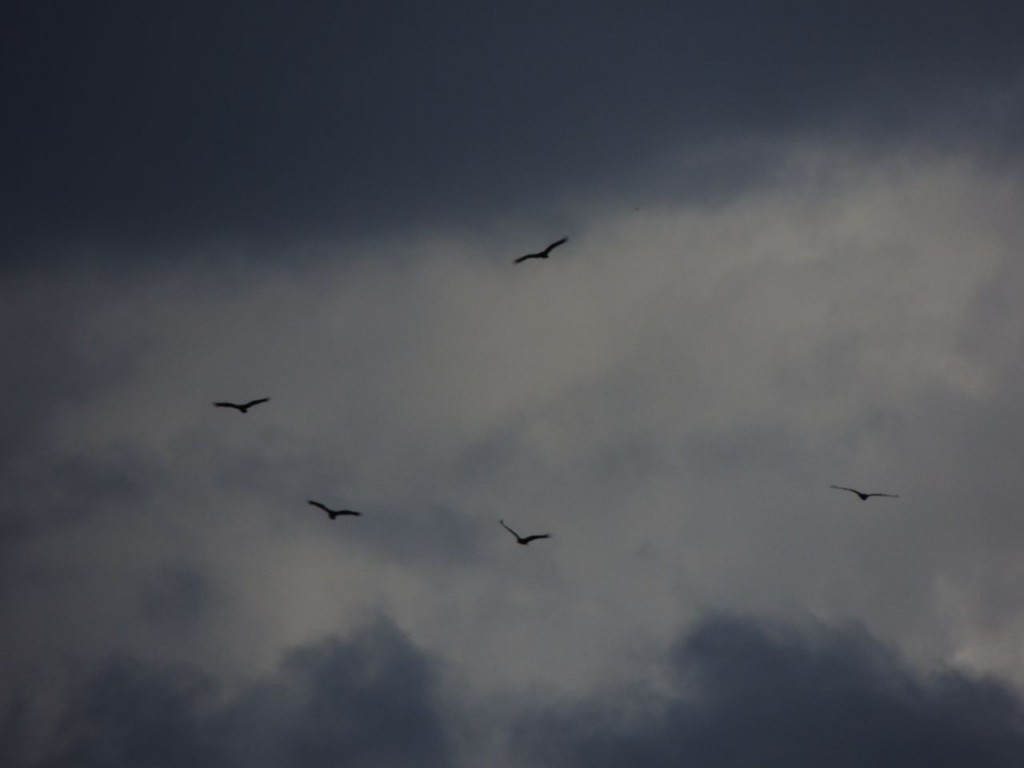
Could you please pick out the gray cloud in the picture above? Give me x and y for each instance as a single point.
(670, 397)
(738, 691)
(261, 120)
(751, 693)
(175, 597)
(368, 700)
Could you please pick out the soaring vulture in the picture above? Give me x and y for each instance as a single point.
(542, 254)
(864, 496)
(333, 513)
(243, 407)
(524, 540)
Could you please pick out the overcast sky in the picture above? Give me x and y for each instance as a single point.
(794, 260)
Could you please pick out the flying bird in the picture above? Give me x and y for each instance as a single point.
(524, 540)
(333, 513)
(543, 254)
(242, 407)
(864, 496)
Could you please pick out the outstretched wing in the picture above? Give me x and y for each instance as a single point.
(509, 529)
(251, 403)
(527, 256)
(318, 505)
(887, 495)
(555, 244)
(348, 512)
(228, 405)
(534, 537)
(844, 488)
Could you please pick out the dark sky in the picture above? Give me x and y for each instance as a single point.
(793, 261)
(261, 119)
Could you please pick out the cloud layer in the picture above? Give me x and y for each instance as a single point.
(742, 691)
(750, 693)
(368, 700)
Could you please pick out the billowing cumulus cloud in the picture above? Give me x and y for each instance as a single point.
(737, 691)
(750, 693)
(367, 700)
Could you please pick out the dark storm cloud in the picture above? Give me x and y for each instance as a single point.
(369, 700)
(746, 693)
(770, 696)
(259, 118)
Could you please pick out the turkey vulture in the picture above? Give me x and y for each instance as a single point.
(543, 254)
(864, 496)
(524, 540)
(333, 513)
(243, 407)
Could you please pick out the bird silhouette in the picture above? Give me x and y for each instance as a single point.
(542, 254)
(333, 513)
(242, 407)
(863, 496)
(524, 540)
